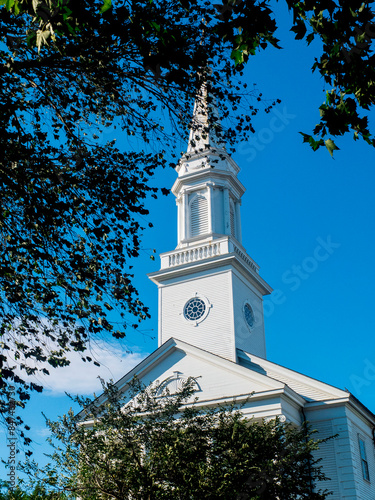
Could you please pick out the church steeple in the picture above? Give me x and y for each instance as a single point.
(207, 190)
(210, 290)
(205, 125)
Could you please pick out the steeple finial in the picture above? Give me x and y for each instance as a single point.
(205, 126)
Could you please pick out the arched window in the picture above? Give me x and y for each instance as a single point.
(198, 215)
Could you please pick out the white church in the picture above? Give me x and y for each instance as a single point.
(211, 324)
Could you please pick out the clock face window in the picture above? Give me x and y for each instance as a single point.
(249, 315)
(194, 309)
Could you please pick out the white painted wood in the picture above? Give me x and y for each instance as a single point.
(215, 333)
(198, 215)
(249, 339)
(365, 490)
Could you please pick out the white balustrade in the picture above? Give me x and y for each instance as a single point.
(194, 254)
(223, 246)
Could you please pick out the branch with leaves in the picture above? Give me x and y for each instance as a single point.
(346, 31)
(73, 201)
(147, 444)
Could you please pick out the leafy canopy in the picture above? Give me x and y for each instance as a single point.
(36, 493)
(144, 444)
(73, 201)
(346, 30)
(72, 209)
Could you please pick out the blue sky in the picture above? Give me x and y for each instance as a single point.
(308, 221)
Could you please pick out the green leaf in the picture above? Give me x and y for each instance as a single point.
(310, 38)
(107, 4)
(155, 25)
(237, 55)
(312, 142)
(299, 29)
(331, 146)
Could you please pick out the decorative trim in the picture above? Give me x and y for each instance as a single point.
(195, 254)
(245, 258)
(174, 383)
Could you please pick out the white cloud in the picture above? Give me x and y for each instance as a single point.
(82, 377)
(43, 432)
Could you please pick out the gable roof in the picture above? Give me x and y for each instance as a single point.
(312, 390)
(309, 388)
(170, 354)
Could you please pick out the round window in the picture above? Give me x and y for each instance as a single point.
(194, 309)
(249, 315)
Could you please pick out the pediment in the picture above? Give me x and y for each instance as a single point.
(218, 381)
(216, 377)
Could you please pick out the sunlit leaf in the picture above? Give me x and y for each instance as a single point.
(331, 146)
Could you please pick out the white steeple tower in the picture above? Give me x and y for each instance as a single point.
(207, 189)
(210, 291)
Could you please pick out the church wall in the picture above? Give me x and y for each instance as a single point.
(215, 332)
(251, 340)
(341, 457)
(161, 370)
(335, 454)
(218, 383)
(359, 429)
(260, 407)
(269, 408)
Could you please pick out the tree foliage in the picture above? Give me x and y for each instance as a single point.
(147, 445)
(38, 492)
(346, 30)
(72, 206)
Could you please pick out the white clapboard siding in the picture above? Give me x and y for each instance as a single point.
(327, 453)
(365, 490)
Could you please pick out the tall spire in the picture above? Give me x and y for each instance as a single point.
(206, 127)
(207, 189)
(210, 291)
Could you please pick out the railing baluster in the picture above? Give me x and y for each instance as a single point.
(202, 252)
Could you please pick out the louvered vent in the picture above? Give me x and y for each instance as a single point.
(198, 216)
(232, 219)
